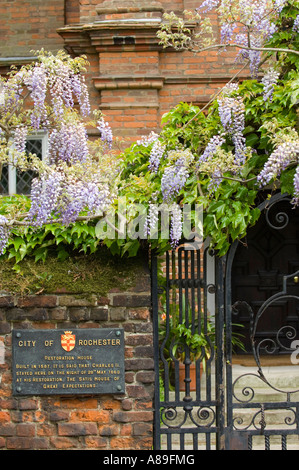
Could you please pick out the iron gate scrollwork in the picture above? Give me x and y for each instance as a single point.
(195, 305)
(263, 404)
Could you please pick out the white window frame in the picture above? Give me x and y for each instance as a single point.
(12, 171)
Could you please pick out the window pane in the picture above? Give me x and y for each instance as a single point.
(35, 146)
(24, 178)
(4, 180)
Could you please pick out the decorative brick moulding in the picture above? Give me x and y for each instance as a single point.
(107, 422)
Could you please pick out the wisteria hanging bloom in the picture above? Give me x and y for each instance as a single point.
(69, 143)
(296, 25)
(232, 116)
(279, 4)
(173, 180)
(4, 233)
(216, 180)
(156, 155)
(269, 81)
(254, 56)
(295, 200)
(20, 136)
(64, 83)
(72, 202)
(285, 154)
(176, 227)
(45, 192)
(247, 23)
(65, 196)
(176, 174)
(11, 93)
(61, 89)
(80, 90)
(36, 81)
(151, 223)
(227, 31)
(148, 139)
(78, 196)
(106, 132)
(208, 5)
(215, 143)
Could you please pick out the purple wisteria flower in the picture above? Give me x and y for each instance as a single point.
(61, 88)
(37, 81)
(63, 84)
(278, 161)
(269, 80)
(253, 56)
(232, 116)
(4, 233)
(295, 200)
(156, 155)
(57, 195)
(246, 22)
(79, 196)
(216, 180)
(151, 223)
(106, 132)
(20, 136)
(215, 143)
(71, 203)
(174, 179)
(227, 32)
(69, 143)
(208, 5)
(296, 25)
(80, 90)
(176, 227)
(45, 192)
(11, 93)
(148, 139)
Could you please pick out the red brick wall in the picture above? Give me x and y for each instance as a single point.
(133, 83)
(138, 82)
(72, 11)
(28, 25)
(104, 422)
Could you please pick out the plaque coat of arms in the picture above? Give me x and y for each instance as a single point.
(68, 341)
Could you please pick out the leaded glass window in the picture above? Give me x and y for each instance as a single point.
(17, 182)
(4, 180)
(24, 178)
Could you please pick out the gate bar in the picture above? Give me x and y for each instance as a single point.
(154, 281)
(220, 356)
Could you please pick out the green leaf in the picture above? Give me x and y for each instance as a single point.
(287, 181)
(17, 242)
(41, 254)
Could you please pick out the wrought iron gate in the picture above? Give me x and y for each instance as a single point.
(195, 308)
(189, 412)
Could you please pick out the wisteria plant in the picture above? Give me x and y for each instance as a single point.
(245, 25)
(245, 140)
(78, 176)
(219, 157)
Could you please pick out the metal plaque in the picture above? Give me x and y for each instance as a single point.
(67, 362)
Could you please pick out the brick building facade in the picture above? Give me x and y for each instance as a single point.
(131, 77)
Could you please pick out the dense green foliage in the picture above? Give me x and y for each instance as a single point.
(231, 208)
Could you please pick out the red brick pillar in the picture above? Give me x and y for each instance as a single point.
(129, 77)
